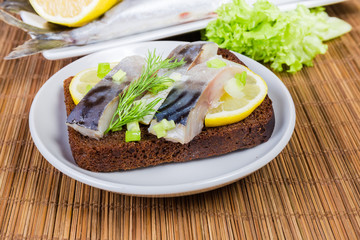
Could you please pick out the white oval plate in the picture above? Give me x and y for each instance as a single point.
(49, 132)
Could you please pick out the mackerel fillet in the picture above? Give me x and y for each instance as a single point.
(92, 115)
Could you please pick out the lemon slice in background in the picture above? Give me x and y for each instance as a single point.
(71, 13)
(83, 82)
(236, 105)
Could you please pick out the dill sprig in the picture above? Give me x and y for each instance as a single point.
(129, 108)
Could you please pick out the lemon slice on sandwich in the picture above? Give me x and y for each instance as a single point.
(71, 13)
(83, 82)
(240, 99)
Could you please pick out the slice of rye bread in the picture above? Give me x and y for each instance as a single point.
(112, 153)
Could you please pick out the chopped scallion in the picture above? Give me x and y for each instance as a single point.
(168, 125)
(132, 136)
(160, 132)
(156, 89)
(162, 127)
(133, 126)
(215, 63)
(133, 132)
(119, 76)
(103, 69)
(88, 88)
(241, 78)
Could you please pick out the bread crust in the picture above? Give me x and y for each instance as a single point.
(112, 153)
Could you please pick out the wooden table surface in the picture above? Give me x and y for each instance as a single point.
(311, 190)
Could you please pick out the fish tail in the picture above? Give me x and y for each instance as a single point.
(16, 6)
(11, 20)
(43, 39)
(34, 46)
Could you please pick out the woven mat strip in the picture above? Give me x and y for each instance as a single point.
(310, 191)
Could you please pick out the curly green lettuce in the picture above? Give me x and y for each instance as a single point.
(286, 39)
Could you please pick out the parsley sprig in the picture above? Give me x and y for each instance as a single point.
(129, 108)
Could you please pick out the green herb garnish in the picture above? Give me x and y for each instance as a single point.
(88, 88)
(132, 136)
(163, 126)
(119, 76)
(103, 69)
(128, 109)
(133, 133)
(215, 63)
(241, 79)
(133, 126)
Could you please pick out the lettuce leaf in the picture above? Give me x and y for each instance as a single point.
(262, 32)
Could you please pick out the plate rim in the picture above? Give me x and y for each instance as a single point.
(163, 190)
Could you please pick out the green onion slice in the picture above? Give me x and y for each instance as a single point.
(103, 69)
(163, 126)
(119, 76)
(132, 136)
(88, 88)
(133, 126)
(215, 63)
(133, 132)
(241, 79)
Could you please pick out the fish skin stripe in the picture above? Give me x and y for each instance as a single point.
(182, 114)
(179, 108)
(174, 96)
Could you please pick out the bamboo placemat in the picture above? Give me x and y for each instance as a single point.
(310, 191)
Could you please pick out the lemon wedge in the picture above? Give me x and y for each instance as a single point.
(237, 104)
(71, 13)
(83, 82)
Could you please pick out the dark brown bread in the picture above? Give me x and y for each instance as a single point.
(112, 153)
